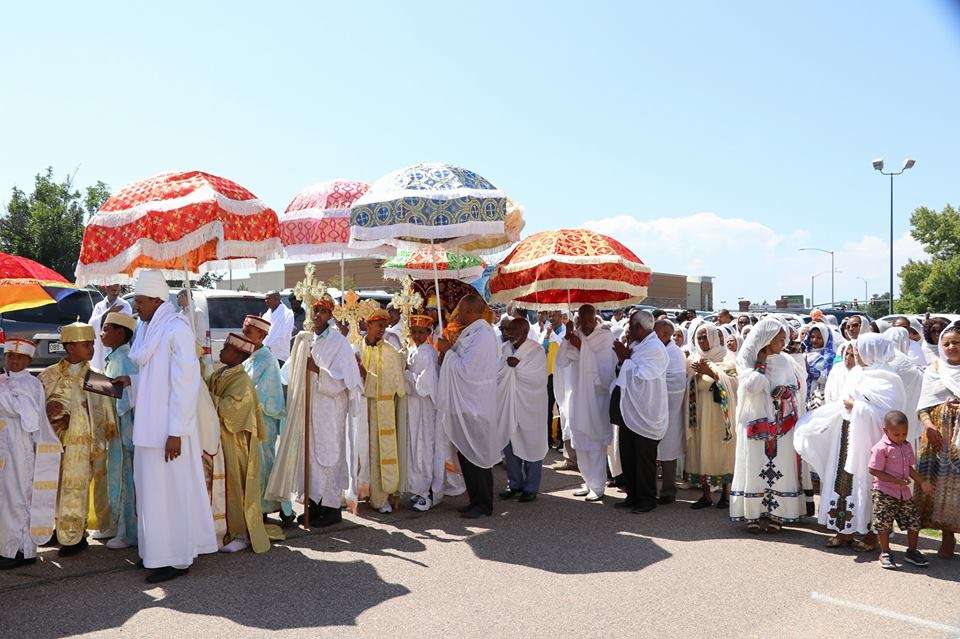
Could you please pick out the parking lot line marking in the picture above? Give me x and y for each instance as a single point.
(891, 614)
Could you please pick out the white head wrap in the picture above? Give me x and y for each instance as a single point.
(150, 283)
(941, 380)
(20, 346)
(714, 338)
(900, 338)
(875, 350)
(763, 333)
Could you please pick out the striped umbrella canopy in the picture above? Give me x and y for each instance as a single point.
(28, 284)
(420, 263)
(176, 221)
(557, 270)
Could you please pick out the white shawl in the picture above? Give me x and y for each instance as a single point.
(467, 396)
(522, 399)
(643, 388)
(588, 373)
(941, 380)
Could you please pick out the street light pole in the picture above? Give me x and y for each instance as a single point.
(878, 165)
(866, 293)
(833, 270)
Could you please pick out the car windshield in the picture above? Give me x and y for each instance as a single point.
(73, 308)
(228, 312)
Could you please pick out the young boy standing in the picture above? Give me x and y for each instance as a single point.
(892, 464)
(421, 377)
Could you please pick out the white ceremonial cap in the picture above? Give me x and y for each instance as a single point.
(21, 346)
(257, 322)
(150, 283)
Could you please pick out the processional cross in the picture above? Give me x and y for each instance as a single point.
(308, 290)
(406, 301)
(351, 311)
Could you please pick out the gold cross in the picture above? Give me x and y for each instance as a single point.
(406, 301)
(308, 290)
(351, 311)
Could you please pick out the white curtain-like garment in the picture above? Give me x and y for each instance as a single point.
(421, 382)
(467, 396)
(522, 399)
(588, 373)
(643, 388)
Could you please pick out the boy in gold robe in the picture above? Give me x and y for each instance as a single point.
(85, 424)
(381, 367)
(241, 429)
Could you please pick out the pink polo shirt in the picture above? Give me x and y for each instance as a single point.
(894, 460)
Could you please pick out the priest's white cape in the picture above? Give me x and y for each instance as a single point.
(467, 396)
(587, 376)
(334, 357)
(643, 388)
(522, 399)
(30, 471)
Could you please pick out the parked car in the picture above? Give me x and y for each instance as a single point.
(42, 325)
(217, 314)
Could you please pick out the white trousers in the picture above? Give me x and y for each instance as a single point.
(593, 467)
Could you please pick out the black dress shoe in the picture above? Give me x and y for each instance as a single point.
(287, 520)
(9, 563)
(465, 509)
(510, 493)
(75, 549)
(475, 513)
(330, 517)
(165, 574)
(527, 497)
(645, 508)
(722, 503)
(701, 503)
(626, 503)
(665, 501)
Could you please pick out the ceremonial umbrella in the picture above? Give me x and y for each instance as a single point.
(176, 221)
(28, 284)
(316, 225)
(429, 203)
(557, 270)
(421, 262)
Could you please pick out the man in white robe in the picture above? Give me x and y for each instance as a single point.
(670, 447)
(467, 403)
(29, 460)
(424, 459)
(618, 324)
(522, 399)
(174, 519)
(639, 408)
(335, 416)
(394, 333)
(588, 363)
(281, 327)
(111, 303)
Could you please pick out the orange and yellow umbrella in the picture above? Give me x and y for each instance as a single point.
(28, 284)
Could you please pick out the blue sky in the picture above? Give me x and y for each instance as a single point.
(712, 137)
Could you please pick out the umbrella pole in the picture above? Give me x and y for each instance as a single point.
(186, 285)
(436, 287)
(342, 285)
(306, 449)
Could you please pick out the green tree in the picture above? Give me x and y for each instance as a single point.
(931, 285)
(47, 225)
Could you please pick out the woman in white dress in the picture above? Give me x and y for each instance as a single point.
(770, 398)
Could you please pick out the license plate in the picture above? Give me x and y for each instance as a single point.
(55, 347)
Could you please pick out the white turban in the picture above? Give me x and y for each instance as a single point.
(875, 350)
(150, 283)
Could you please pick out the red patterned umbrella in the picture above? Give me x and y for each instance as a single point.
(176, 221)
(316, 224)
(554, 270)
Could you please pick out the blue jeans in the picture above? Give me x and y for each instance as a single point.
(522, 475)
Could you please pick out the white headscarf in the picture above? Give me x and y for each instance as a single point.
(941, 380)
(900, 338)
(876, 351)
(762, 334)
(716, 341)
(864, 326)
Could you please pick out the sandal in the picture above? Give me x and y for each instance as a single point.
(838, 542)
(754, 528)
(773, 527)
(861, 546)
(701, 503)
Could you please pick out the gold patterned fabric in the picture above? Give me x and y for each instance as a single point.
(383, 389)
(86, 426)
(241, 430)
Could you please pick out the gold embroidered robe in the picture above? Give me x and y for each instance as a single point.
(386, 417)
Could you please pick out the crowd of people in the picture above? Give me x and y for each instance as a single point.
(136, 439)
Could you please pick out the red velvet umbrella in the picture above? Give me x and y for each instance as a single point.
(557, 270)
(176, 221)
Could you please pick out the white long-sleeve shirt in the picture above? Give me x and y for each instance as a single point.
(99, 361)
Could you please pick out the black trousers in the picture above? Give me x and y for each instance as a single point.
(551, 400)
(479, 482)
(638, 457)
